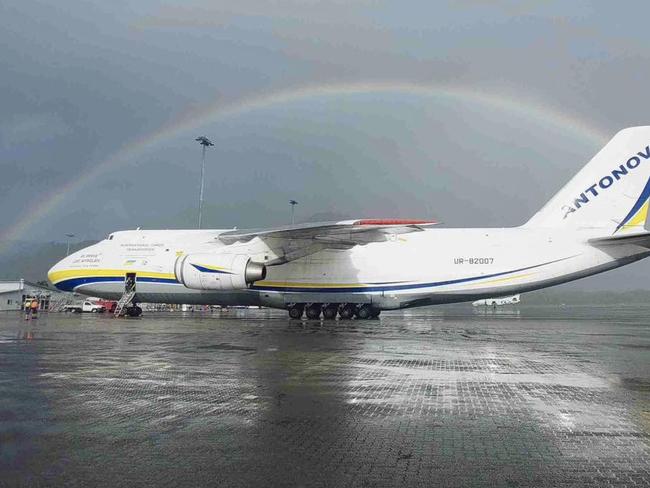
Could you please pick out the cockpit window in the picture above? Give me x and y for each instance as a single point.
(110, 238)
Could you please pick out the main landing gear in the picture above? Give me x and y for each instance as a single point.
(329, 311)
(296, 311)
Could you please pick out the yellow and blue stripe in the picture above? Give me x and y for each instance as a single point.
(383, 287)
(68, 280)
(639, 211)
(210, 269)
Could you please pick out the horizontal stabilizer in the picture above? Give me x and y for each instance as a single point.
(642, 240)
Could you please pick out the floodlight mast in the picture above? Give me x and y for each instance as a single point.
(293, 203)
(205, 143)
(69, 236)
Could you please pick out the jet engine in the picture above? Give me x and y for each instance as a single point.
(211, 271)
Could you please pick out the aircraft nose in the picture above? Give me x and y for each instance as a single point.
(56, 274)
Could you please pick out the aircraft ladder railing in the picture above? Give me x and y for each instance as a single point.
(123, 302)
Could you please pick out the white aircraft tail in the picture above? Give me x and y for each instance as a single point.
(610, 193)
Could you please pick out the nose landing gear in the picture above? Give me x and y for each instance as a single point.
(133, 311)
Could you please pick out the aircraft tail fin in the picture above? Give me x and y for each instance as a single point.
(611, 192)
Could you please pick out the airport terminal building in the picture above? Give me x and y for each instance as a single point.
(14, 292)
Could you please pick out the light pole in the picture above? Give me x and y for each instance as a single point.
(205, 142)
(67, 251)
(293, 203)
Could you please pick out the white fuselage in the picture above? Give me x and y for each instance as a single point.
(421, 268)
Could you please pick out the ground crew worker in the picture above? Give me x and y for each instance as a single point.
(34, 307)
(28, 309)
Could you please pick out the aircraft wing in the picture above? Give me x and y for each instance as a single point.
(295, 241)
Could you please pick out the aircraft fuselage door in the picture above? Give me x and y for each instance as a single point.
(129, 282)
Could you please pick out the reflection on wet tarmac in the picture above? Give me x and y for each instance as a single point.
(444, 396)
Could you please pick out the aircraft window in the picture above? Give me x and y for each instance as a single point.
(110, 238)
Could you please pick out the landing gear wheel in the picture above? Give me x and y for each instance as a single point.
(364, 312)
(375, 313)
(313, 311)
(347, 311)
(329, 312)
(296, 311)
(134, 311)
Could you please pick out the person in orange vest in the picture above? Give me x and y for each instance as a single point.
(34, 307)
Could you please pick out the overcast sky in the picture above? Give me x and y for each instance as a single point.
(514, 97)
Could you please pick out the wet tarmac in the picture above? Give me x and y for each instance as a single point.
(430, 397)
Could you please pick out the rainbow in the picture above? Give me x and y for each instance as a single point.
(220, 110)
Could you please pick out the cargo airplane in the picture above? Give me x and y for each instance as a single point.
(598, 221)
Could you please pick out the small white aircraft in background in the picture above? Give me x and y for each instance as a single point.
(596, 222)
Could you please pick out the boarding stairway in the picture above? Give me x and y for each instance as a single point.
(126, 298)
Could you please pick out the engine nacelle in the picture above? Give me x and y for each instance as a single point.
(212, 271)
